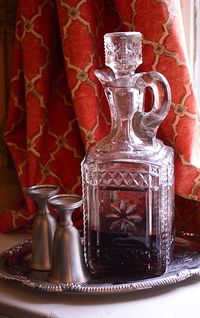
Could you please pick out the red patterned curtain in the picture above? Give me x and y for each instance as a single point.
(57, 107)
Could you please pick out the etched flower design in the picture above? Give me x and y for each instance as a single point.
(125, 217)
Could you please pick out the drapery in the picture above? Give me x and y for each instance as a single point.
(57, 108)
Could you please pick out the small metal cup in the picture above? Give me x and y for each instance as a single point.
(44, 226)
(68, 264)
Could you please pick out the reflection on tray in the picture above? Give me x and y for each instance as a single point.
(14, 265)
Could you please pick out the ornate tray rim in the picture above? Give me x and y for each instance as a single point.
(97, 288)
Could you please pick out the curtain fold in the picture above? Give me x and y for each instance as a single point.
(57, 107)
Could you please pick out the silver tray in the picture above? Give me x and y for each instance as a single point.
(14, 265)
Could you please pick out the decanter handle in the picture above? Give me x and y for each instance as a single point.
(145, 124)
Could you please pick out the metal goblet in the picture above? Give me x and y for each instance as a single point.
(68, 264)
(44, 226)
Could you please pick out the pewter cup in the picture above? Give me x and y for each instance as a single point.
(67, 263)
(44, 227)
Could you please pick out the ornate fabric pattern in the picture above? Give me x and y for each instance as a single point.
(57, 107)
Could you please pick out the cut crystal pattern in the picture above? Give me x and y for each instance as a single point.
(124, 179)
(128, 176)
(123, 55)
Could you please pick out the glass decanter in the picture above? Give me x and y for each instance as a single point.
(128, 177)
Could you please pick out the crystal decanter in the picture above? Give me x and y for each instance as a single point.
(128, 177)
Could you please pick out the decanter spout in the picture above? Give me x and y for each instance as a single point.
(105, 75)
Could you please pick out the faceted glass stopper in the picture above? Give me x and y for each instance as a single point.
(123, 52)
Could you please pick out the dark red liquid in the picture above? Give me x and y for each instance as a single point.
(116, 254)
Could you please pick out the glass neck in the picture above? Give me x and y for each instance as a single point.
(123, 102)
(121, 128)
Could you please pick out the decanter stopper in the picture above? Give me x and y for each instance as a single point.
(123, 52)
